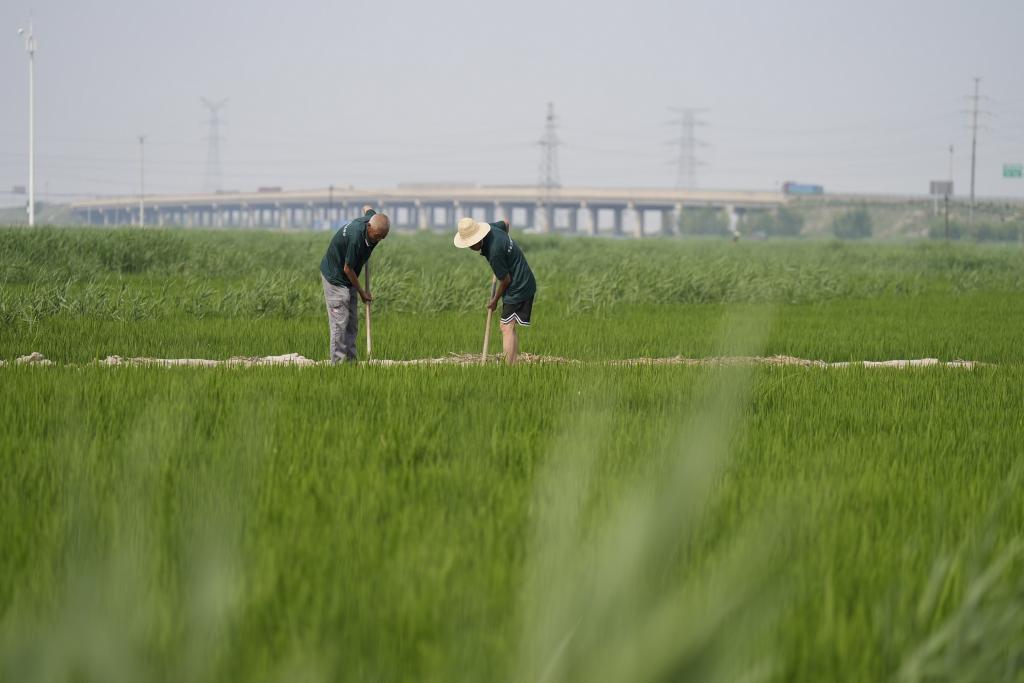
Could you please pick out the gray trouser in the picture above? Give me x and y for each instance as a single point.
(343, 320)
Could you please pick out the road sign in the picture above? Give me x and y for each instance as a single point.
(1013, 170)
(940, 188)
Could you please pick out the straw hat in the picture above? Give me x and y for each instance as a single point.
(470, 232)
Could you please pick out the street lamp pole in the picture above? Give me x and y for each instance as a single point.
(30, 48)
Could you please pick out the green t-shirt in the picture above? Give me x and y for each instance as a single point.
(506, 258)
(349, 245)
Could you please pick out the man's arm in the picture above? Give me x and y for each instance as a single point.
(354, 279)
(367, 209)
(503, 284)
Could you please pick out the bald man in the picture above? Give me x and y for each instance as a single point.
(349, 249)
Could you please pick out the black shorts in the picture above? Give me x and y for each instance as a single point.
(519, 312)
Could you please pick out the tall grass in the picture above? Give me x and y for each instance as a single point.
(216, 524)
(77, 295)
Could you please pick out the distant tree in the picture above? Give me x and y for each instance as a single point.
(703, 221)
(789, 222)
(996, 232)
(853, 225)
(783, 222)
(937, 230)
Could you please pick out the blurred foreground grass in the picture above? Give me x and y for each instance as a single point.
(376, 524)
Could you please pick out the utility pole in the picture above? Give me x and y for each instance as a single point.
(30, 48)
(687, 161)
(974, 143)
(142, 181)
(945, 198)
(549, 168)
(213, 140)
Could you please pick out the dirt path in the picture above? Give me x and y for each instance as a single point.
(294, 359)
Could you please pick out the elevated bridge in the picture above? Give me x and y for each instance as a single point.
(633, 211)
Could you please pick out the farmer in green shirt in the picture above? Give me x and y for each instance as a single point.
(516, 283)
(349, 249)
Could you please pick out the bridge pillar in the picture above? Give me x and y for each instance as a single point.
(589, 220)
(666, 215)
(454, 216)
(421, 216)
(734, 220)
(638, 218)
(499, 213)
(617, 223)
(574, 219)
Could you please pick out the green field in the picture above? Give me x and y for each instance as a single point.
(550, 522)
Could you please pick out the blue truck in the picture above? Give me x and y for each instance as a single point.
(791, 187)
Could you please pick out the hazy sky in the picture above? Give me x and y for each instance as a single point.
(861, 96)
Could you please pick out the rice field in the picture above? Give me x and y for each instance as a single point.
(571, 522)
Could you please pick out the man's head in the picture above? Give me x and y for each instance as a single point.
(471, 234)
(378, 228)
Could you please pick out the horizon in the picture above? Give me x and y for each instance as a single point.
(858, 99)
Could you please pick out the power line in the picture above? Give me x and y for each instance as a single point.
(687, 161)
(213, 140)
(549, 168)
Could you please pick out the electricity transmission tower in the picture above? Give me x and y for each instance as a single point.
(548, 169)
(975, 99)
(687, 161)
(213, 140)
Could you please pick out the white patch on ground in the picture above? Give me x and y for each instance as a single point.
(714, 361)
(297, 360)
(34, 358)
(234, 361)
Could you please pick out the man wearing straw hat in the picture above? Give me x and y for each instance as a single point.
(515, 282)
(349, 250)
